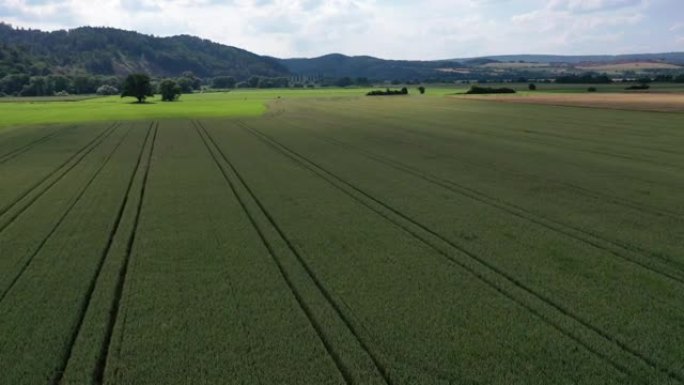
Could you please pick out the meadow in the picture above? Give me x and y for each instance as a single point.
(327, 238)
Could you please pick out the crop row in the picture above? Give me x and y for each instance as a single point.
(388, 283)
(53, 259)
(652, 334)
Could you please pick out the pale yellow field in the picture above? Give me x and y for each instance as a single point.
(666, 102)
(631, 66)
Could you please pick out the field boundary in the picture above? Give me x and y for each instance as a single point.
(581, 104)
(490, 269)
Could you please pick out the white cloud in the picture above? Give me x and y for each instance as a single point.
(429, 29)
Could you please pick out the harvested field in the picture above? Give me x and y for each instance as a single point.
(631, 66)
(665, 102)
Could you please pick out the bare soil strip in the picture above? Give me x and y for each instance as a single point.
(661, 102)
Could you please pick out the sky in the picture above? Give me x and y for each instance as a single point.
(392, 29)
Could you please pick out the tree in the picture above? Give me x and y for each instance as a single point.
(223, 82)
(344, 82)
(362, 81)
(13, 84)
(169, 90)
(137, 86)
(196, 82)
(185, 84)
(532, 87)
(421, 89)
(253, 82)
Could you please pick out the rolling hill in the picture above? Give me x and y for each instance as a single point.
(109, 51)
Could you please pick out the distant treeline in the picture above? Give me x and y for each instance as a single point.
(25, 85)
(489, 90)
(388, 92)
(584, 79)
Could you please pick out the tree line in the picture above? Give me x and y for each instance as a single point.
(49, 85)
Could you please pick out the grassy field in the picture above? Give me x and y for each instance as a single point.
(242, 103)
(18, 112)
(341, 240)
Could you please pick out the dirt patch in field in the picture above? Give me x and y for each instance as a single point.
(665, 102)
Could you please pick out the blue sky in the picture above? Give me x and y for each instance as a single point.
(397, 29)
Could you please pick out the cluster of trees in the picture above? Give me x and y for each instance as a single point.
(346, 81)
(663, 79)
(264, 82)
(489, 90)
(388, 92)
(25, 85)
(584, 79)
(140, 86)
(642, 86)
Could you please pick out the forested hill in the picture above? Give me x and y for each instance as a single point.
(337, 65)
(109, 51)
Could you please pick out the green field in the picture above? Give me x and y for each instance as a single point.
(17, 112)
(242, 103)
(334, 239)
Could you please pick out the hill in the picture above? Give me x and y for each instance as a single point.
(337, 65)
(109, 51)
(27, 55)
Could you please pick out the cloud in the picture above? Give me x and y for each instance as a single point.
(594, 5)
(429, 29)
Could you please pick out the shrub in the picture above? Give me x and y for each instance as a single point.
(421, 89)
(107, 90)
(638, 87)
(591, 89)
(532, 87)
(169, 90)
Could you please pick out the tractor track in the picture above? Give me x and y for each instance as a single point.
(85, 304)
(579, 189)
(520, 212)
(22, 149)
(99, 371)
(62, 218)
(480, 262)
(341, 367)
(80, 154)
